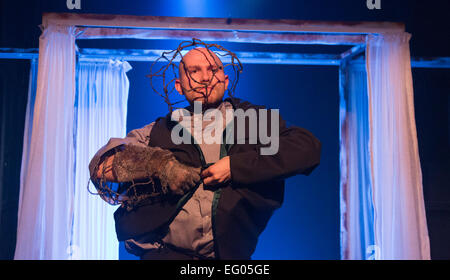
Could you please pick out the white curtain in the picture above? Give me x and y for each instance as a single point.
(46, 195)
(65, 125)
(399, 221)
(382, 206)
(357, 233)
(28, 126)
(101, 107)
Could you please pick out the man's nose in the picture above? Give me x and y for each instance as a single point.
(206, 76)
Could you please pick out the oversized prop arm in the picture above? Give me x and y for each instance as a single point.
(131, 163)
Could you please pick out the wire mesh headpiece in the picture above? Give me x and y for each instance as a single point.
(166, 74)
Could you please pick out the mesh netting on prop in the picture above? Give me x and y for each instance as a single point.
(128, 194)
(164, 71)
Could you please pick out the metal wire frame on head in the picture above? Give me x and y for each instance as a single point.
(168, 58)
(132, 194)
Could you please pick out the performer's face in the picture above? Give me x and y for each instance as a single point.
(202, 77)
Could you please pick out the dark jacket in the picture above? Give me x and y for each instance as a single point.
(242, 207)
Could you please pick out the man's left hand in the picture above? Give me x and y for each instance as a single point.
(217, 173)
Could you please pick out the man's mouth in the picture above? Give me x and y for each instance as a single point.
(203, 90)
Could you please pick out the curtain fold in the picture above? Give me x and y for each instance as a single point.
(399, 211)
(46, 199)
(101, 110)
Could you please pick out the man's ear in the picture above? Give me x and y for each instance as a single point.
(178, 86)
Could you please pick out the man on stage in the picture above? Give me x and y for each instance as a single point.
(215, 192)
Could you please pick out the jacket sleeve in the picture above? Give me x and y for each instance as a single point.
(299, 153)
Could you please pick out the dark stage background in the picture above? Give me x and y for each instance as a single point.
(307, 226)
